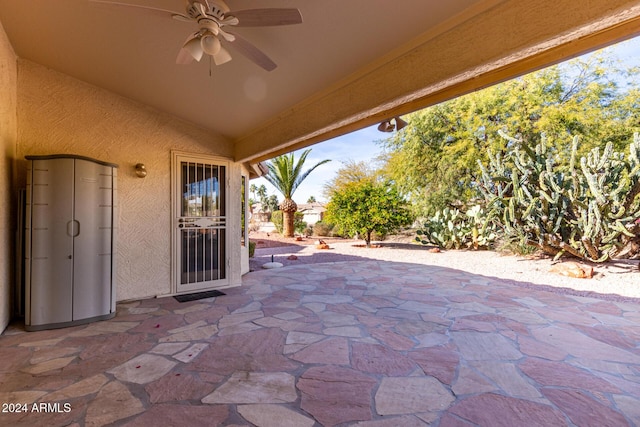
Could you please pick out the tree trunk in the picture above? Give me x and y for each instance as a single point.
(287, 223)
(288, 208)
(368, 239)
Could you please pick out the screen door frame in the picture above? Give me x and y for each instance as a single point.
(198, 227)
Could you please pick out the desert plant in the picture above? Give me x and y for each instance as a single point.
(444, 229)
(589, 210)
(452, 229)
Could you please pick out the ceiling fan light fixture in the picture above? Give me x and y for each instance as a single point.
(213, 17)
(222, 56)
(194, 47)
(210, 44)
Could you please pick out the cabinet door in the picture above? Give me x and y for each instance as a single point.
(92, 243)
(50, 246)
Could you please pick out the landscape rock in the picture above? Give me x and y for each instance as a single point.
(573, 269)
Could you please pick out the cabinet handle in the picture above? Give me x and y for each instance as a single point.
(73, 228)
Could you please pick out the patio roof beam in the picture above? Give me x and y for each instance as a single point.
(506, 39)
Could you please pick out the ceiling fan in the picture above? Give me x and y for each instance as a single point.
(213, 17)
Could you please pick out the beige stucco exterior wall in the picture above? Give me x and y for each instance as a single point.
(59, 114)
(8, 130)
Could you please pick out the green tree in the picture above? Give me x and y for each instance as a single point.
(286, 175)
(261, 192)
(271, 203)
(252, 189)
(311, 199)
(433, 160)
(351, 171)
(365, 207)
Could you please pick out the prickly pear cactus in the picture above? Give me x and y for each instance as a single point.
(453, 229)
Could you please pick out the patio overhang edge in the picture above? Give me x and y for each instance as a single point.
(332, 114)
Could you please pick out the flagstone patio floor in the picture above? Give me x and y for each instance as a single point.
(366, 343)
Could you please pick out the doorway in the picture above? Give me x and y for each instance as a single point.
(199, 223)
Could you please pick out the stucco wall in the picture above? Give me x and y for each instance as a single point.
(7, 148)
(59, 114)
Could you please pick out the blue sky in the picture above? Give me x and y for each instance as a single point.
(363, 145)
(358, 146)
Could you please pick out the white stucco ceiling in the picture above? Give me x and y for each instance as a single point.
(132, 53)
(365, 44)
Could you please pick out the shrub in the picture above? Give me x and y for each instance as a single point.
(276, 219)
(252, 248)
(322, 229)
(298, 223)
(378, 236)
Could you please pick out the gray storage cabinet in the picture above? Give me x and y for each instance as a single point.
(70, 236)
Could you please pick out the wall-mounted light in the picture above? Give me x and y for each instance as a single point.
(141, 170)
(387, 126)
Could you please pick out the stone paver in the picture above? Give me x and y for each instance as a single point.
(402, 395)
(81, 388)
(365, 343)
(274, 416)
(49, 365)
(113, 403)
(255, 387)
(335, 395)
(142, 369)
(491, 409)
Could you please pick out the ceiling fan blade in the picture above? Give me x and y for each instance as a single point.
(253, 53)
(267, 17)
(153, 10)
(227, 36)
(201, 8)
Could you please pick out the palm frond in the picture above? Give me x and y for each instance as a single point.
(285, 173)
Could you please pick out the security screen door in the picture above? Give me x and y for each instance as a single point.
(199, 223)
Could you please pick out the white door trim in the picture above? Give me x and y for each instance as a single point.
(177, 157)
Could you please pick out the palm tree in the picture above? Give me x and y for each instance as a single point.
(286, 175)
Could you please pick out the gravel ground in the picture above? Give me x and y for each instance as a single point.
(618, 280)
